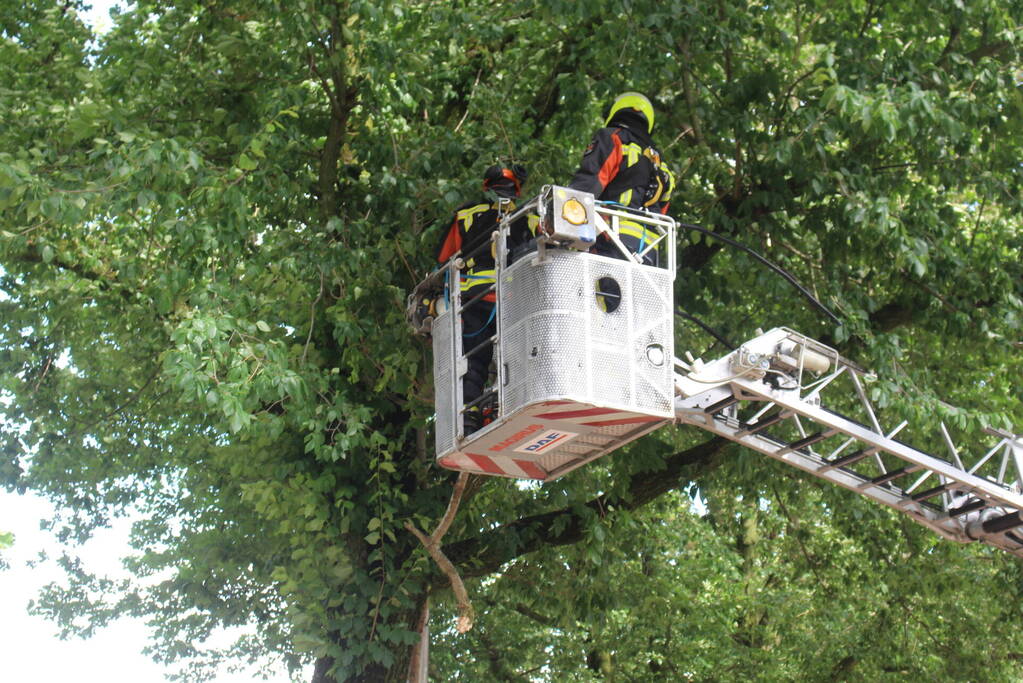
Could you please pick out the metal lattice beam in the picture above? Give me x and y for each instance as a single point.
(965, 500)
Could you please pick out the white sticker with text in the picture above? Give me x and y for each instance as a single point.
(545, 441)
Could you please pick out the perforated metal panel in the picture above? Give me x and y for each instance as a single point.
(559, 342)
(444, 381)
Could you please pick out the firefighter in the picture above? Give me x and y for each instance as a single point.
(622, 165)
(470, 235)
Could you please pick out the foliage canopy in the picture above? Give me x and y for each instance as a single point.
(209, 218)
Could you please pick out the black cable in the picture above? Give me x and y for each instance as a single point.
(705, 327)
(778, 269)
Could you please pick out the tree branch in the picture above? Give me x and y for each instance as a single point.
(783, 111)
(341, 95)
(794, 527)
(696, 125)
(541, 619)
(34, 255)
(546, 102)
(868, 14)
(432, 545)
(988, 50)
(891, 316)
(954, 31)
(485, 554)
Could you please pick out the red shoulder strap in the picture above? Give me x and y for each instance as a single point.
(452, 243)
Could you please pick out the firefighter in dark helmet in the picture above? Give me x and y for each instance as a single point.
(470, 235)
(622, 165)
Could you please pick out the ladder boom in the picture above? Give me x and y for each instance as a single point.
(962, 502)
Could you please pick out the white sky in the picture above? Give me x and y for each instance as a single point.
(30, 650)
(29, 647)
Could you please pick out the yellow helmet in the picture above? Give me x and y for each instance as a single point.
(635, 101)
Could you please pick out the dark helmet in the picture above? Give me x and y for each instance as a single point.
(505, 181)
(633, 102)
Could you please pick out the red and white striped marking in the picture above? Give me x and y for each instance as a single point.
(521, 445)
(579, 417)
(499, 465)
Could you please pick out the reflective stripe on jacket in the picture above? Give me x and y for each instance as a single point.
(621, 165)
(471, 228)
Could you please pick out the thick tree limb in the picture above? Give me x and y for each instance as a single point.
(541, 619)
(419, 662)
(547, 101)
(697, 256)
(891, 316)
(341, 94)
(688, 90)
(495, 656)
(32, 254)
(954, 31)
(994, 49)
(485, 554)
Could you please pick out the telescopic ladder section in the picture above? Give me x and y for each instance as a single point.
(768, 395)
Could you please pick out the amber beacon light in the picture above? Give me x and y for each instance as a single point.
(573, 211)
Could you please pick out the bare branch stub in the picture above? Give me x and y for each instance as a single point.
(432, 545)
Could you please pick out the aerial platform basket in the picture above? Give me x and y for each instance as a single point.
(584, 346)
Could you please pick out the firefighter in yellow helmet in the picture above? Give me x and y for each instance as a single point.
(622, 165)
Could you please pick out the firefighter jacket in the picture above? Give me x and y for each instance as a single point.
(469, 233)
(622, 165)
